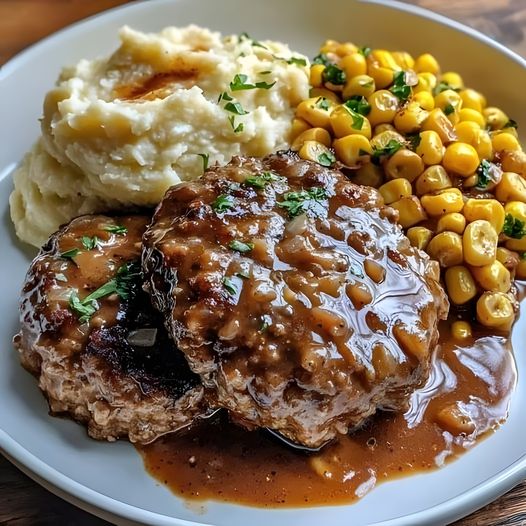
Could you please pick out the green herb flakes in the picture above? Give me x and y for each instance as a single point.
(511, 124)
(229, 285)
(312, 202)
(326, 159)
(483, 175)
(399, 87)
(240, 246)
(237, 128)
(322, 103)
(513, 227)
(365, 51)
(321, 59)
(223, 203)
(119, 230)
(206, 158)
(358, 104)
(90, 243)
(235, 107)
(449, 109)
(224, 96)
(70, 254)
(255, 43)
(334, 75)
(240, 83)
(389, 149)
(357, 119)
(262, 180)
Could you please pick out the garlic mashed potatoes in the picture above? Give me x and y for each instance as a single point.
(118, 131)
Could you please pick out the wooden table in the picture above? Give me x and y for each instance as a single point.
(22, 22)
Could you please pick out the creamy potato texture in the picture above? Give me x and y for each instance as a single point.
(118, 131)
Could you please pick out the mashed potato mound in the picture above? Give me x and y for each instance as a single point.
(118, 131)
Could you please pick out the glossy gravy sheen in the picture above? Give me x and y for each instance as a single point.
(217, 460)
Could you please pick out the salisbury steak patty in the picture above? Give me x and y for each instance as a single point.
(106, 360)
(293, 293)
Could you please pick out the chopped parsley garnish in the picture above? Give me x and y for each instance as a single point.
(255, 43)
(414, 140)
(237, 129)
(449, 109)
(357, 119)
(229, 285)
(511, 124)
(90, 243)
(224, 96)
(359, 104)
(205, 158)
(514, 227)
(261, 180)
(334, 75)
(399, 87)
(311, 201)
(483, 175)
(298, 61)
(240, 246)
(243, 274)
(321, 59)
(365, 51)
(326, 159)
(235, 107)
(116, 229)
(240, 83)
(70, 254)
(223, 203)
(389, 149)
(322, 103)
(120, 284)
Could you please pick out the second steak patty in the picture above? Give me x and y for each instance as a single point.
(294, 294)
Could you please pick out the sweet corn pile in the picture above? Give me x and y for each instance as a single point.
(451, 165)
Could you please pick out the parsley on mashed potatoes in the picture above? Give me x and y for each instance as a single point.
(118, 131)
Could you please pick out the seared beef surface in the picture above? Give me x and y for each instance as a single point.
(294, 295)
(117, 371)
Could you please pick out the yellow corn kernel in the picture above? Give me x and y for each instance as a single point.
(410, 118)
(480, 243)
(313, 134)
(472, 99)
(316, 111)
(427, 63)
(461, 330)
(351, 150)
(509, 258)
(380, 128)
(508, 129)
(438, 122)
(517, 210)
(395, 189)
(363, 85)
(382, 139)
(495, 277)
(471, 181)
(345, 121)
(419, 236)
(514, 161)
(403, 59)
(329, 46)
(489, 209)
(495, 309)
(345, 49)
(312, 150)
(425, 100)
(426, 83)
(404, 163)
(384, 106)
(382, 76)
(433, 179)
(446, 248)
(316, 75)
(385, 59)
(520, 271)
(505, 141)
(324, 92)
(444, 202)
(369, 174)
(495, 118)
(461, 158)
(450, 103)
(454, 222)
(460, 284)
(512, 187)
(452, 79)
(430, 148)
(469, 115)
(353, 65)
(298, 127)
(410, 211)
(469, 132)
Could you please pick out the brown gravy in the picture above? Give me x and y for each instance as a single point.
(219, 461)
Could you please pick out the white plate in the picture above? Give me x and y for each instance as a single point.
(109, 479)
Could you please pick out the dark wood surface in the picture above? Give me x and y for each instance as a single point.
(22, 22)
